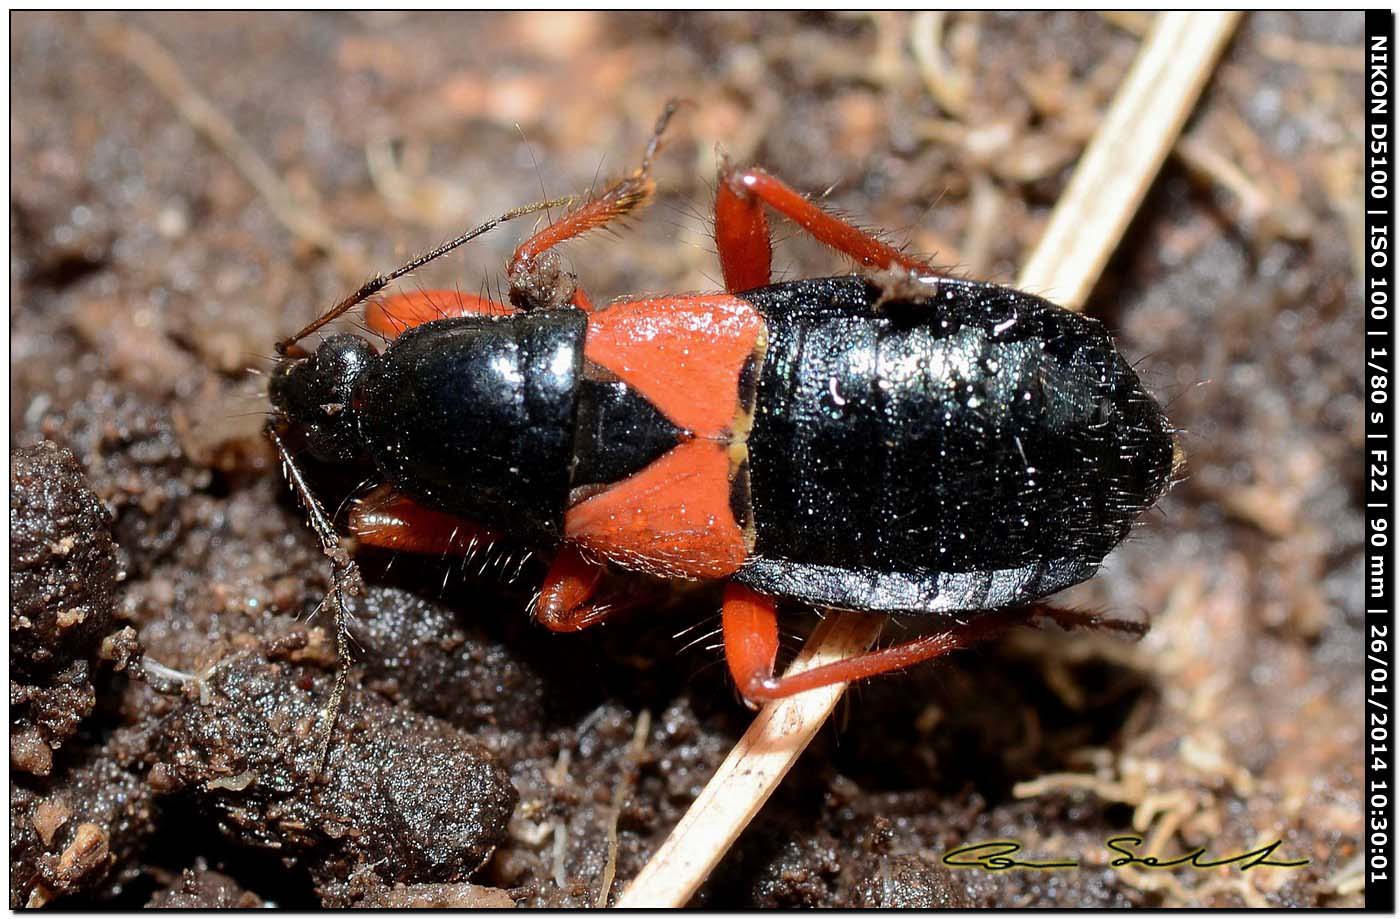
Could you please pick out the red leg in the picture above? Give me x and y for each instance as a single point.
(750, 622)
(571, 582)
(581, 300)
(394, 315)
(742, 236)
(751, 647)
(539, 279)
(389, 520)
(617, 202)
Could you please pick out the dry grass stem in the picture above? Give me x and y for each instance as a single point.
(750, 772)
(1116, 169)
(635, 751)
(1113, 175)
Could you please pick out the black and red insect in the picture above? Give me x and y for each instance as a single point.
(892, 441)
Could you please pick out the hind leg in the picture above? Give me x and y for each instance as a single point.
(750, 622)
(751, 644)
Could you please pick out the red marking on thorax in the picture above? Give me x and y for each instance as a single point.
(673, 517)
(684, 354)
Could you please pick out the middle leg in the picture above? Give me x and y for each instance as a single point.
(564, 604)
(742, 236)
(390, 520)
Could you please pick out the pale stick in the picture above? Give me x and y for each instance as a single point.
(1117, 168)
(748, 775)
(1113, 175)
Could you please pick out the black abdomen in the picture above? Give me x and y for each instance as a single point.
(980, 449)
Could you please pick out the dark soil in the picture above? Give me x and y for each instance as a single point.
(166, 671)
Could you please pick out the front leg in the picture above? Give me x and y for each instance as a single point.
(388, 519)
(537, 279)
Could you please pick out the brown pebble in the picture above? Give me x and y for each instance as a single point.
(441, 896)
(29, 753)
(49, 815)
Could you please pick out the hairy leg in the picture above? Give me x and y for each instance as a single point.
(537, 278)
(751, 644)
(568, 587)
(744, 243)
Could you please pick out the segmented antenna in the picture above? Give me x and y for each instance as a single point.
(380, 281)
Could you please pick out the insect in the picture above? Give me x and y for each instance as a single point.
(890, 441)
